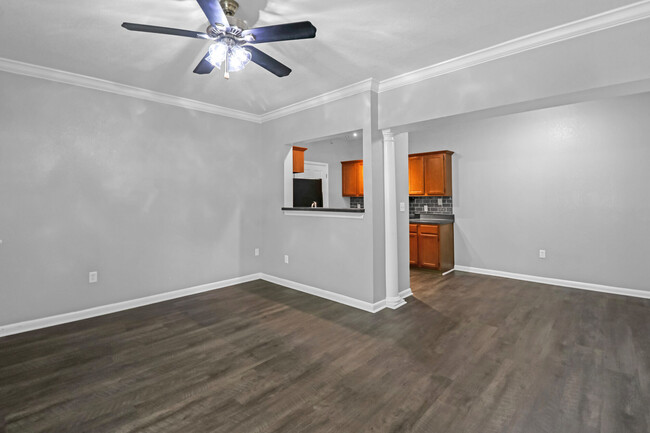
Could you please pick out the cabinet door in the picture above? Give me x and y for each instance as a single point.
(434, 174)
(416, 175)
(359, 168)
(413, 248)
(429, 251)
(299, 159)
(349, 179)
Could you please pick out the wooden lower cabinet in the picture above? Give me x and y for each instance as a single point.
(432, 246)
(413, 244)
(429, 251)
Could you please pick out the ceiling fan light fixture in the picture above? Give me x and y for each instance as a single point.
(218, 53)
(234, 43)
(238, 57)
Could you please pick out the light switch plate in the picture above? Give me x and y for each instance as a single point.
(542, 254)
(93, 277)
(402, 206)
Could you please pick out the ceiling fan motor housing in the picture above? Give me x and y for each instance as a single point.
(236, 22)
(229, 7)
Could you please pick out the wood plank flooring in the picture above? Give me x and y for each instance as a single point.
(468, 353)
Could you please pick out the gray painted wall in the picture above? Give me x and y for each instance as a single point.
(328, 253)
(155, 198)
(545, 76)
(158, 198)
(573, 180)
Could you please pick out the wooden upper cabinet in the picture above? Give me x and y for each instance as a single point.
(430, 174)
(434, 180)
(299, 159)
(416, 175)
(360, 178)
(352, 178)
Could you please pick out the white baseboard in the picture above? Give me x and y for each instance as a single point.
(331, 296)
(326, 294)
(378, 306)
(60, 319)
(557, 282)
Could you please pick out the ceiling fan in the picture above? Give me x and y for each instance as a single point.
(233, 40)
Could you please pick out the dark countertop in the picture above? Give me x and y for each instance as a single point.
(431, 219)
(325, 209)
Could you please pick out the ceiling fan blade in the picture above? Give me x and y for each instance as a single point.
(164, 30)
(268, 62)
(212, 9)
(282, 32)
(204, 67)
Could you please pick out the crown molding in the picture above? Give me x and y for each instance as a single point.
(615, 17)
(56, 75)
(368, 85)
(595, 23)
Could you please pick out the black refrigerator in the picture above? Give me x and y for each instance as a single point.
(307, 191)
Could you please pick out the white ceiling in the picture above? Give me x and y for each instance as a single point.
(356, 40)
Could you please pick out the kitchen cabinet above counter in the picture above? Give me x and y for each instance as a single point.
(430, 174)
(352, 178)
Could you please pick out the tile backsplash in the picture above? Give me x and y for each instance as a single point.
(416, 205)
(354, 201)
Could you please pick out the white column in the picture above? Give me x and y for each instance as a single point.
(393, 300)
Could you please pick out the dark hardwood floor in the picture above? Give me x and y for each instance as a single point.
(468, 353)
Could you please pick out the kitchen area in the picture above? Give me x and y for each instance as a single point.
(431, 217)
(328, 175)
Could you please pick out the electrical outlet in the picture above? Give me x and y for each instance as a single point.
(402, 207)
(542, 254)
(439, 202)
(93, 277)
(426, 208)
(286, 259)
(358, 205)
(257, 251)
